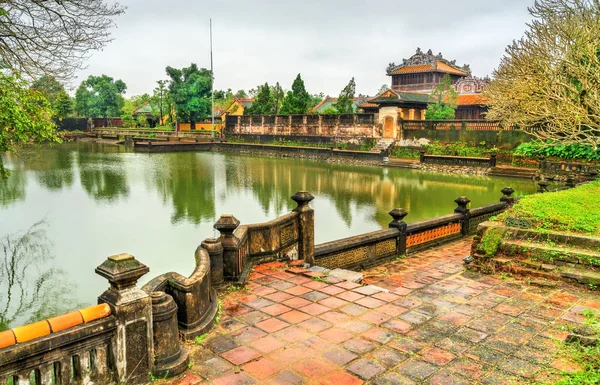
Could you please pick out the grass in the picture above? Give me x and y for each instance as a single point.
(366, 146)
(574, 211)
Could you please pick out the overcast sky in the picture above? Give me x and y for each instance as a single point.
(327, 41)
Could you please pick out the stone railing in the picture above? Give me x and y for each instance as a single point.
(290, 236)
(472, 125)
(134, 332)
(401, 239)
(457, 160)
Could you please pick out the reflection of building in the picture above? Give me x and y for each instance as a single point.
(412, 82)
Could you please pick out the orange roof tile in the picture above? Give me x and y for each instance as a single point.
(471, 99)
(369, 105)
(443, 67)
(413, 69)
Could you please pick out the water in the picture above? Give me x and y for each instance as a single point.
(100, 199)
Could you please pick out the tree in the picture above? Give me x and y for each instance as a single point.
(263, 102)
(191, 90)
(297, 101)
(548, 81)
(315, 99)
(446, 100)
(277, 95)
(158, 98)
(25, 117)
(330, 111)
(63, 106)
(49, 87)
(100, 96)
(344, 104)
(53, 38)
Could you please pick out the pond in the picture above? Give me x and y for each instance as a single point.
(96, 200)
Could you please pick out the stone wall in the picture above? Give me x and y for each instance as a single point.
(505, 140)
(339, 125)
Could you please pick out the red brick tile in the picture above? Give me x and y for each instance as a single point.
(262, 368)
(334, 317)
(293, 334)
(347, 285)
(314, 369)
(189, 378)
(437, 356)
(385, 296)
(509, 310)
(272, 325)
(263, 290)
(299, 280)
(315, 285)
(294, 317)
(398, 326)
(565, 365)
(275, 309)
(266, 344)
(314, 309)
(375, 317)
(279, 296)
(234, 379)
(240, 355)
(370, 302)
(335, 335)
(333, 302)
(296, 302)
(392, 310)
(379, 335)
(297, 290)
(350, 296)
(291, 354)
(340, 378)
(314, 325)
(331, 290)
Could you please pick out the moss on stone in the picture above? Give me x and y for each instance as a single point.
(491, 240)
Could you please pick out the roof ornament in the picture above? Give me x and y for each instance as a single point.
(419, 52)
(429, 52)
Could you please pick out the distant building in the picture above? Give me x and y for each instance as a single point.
(237, 107)
(329, 102)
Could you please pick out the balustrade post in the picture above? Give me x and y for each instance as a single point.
(543, 186)
(462, 208)
(421, 156)
(132, 309)
(215, 251)
(398, 223)
(507, 196)
(306, 227)
(493, 160)
(170, 357)
(232, 266)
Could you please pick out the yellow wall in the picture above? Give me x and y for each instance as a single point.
(199, 126)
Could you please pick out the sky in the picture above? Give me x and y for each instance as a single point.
(327, 41)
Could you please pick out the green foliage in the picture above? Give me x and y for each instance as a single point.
(49, 87)
(158, 100)
(405, 153)
(330, 111)
(297, 101)
(142, 120)
(344, 104)
(446, 100)
(263, 102)
(562, 151)
(491, 240)
(574, 211)
(191, 91)
(25, 117)
(199, 339)
(63, 105)
(100, 96)
(588, 357)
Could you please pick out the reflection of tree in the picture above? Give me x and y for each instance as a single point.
(12, 189)
(189, 183)
(54, 168)
(102, 174)
(32, 289)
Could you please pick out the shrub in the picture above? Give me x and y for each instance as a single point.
(563, 151)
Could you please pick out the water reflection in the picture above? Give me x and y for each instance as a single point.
(13, 189)
(187, 180)
(102, 172)
(33, 289)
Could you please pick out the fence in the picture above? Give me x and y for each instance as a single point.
(469, 125)
(458, 160)
(366, 250)
(337, 125)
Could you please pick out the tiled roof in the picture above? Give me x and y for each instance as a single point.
(146, 108)
(369, 105)
(390, 96)
(414, 69)
(329, 101)
(443, 67)
(246, 101)
(471, 99)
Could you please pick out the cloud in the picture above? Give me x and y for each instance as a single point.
(327, 41)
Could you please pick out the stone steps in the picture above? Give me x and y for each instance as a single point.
(558, 254)
(513, 172)
(548, 272)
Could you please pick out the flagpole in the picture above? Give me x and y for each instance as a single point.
(212, 87)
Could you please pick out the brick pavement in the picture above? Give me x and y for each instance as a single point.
(437, 324)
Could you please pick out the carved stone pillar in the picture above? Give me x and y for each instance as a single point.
(306, 227)
(226, 225)
(170, 357)
(462, 208)
(215, 251)
(132, 308)
(398, 223)
(507, 196)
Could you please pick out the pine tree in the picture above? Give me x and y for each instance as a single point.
(345, 105)
(297, 101)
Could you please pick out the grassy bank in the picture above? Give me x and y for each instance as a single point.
(574, 211)
(366, 146)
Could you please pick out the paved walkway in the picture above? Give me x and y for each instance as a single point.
(437, 324)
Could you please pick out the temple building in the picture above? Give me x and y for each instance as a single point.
(413, 81)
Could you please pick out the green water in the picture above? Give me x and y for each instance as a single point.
(99, 199)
